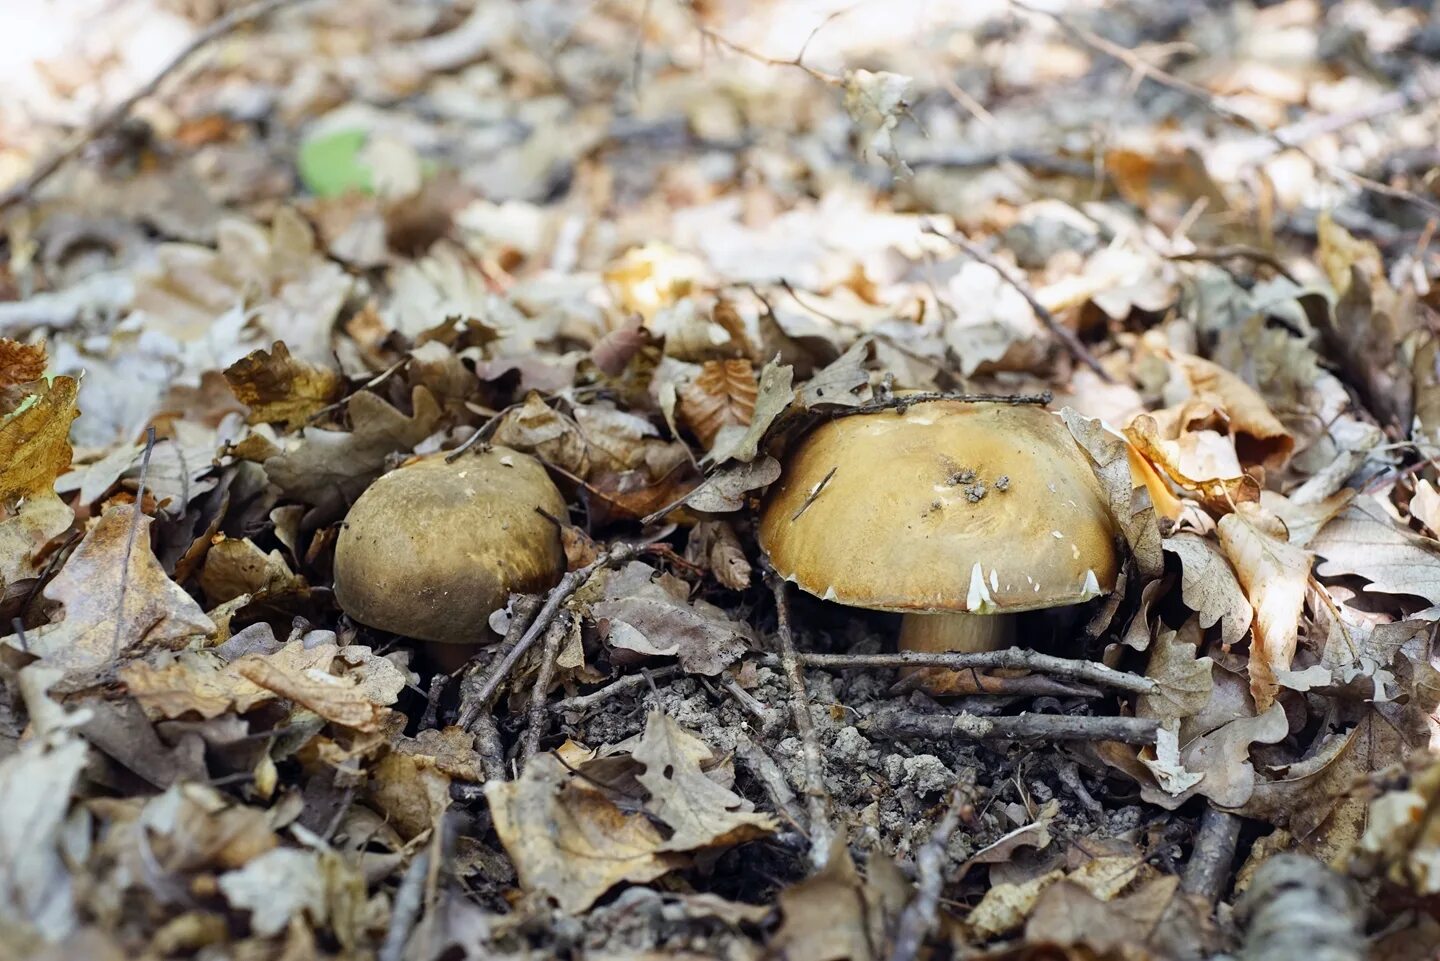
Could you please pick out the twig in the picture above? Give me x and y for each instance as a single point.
(1021, 727)
(432, 700)
(1211, 859)
(1015, 658)
(814, 493)
(817, 799)
(1059, 331)
(918, 918)
(408, 900)
(763, 768)
(561, 593)
(1238, 252)
(904, 402)
(758, 57)
(1297, 907)
(538, 715)
(747, 702)
(111, 119)
(130, 541)
(583, 702)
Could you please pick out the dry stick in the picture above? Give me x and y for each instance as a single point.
(817, 799)
(553, 637)
(1237, 252)
(1015, 658)
(116, 114)
(406, 910)
(561, 593)
(918, 918)
(906, 401)
(1020, 727)
(1209, 866)
(583, 702)
(763, 768)
(130, 541)
(1059, 331)
(1282, 140)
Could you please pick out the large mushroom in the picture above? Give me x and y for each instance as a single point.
(432, 548)
(959, 515)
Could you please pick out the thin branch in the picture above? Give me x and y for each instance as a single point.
(111, 119)
(758, 57)
(1237, 252)
(817, 799)
(561, 593)
(1020, 727)
(130, 541)
(918, 918)
(1059, 331)
(906, 401)
(1011, 658)
(522, 615)
(583, 702)
(753, 756)
(554, 636)
(406, 910)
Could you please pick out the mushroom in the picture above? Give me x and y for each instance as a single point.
(432, 548)
(956, 514)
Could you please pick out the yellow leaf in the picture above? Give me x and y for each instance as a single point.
(280, 389)
(35, 440)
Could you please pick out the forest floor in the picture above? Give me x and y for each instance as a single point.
(254, 258)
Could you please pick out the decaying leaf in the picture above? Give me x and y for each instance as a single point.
(336, 699)
(774, 395)
(835, 915)
(1402, 834)
(715, 546)
(35, 439)
(1274, 573)
(1136, 516)
(876, 102)
(1184, 678)
(281, 389)
(117, 599)
(568, 841)
(25, 532)
(699, 812)
(653, 616)
(725, 489)
(1365, 540)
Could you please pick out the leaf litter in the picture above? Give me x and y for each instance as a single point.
(652, 247)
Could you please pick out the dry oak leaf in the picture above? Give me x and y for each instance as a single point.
(652, 616)
(25, 531)
(328, 469)
(1208, 586)
(724, 490)
(1134, 513)
(775, 393)
(834, 915)
(157, 614)
(281, 389)
(722, 395)
(568, 841)
(20, 365)
(1260, 437)
(714, 545)
(700, 812)
(235, 566)
(352, 700)
(1185, 680)
(1195, 452)
(1365, 540)
(1274, 574)
(35, 439)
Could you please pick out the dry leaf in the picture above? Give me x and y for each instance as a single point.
(1110, 457)
(35, 439)
(1259, 436)
(568, 841)
(722, 395)
(714, 545)
(280, 389)
(95, 627)
(337, 699)
(328, 469)
(1425, 506)
(699, 812)
(775, 393)
(725, 489)
(1364, 540)
(876, 101)
(25, 532)
(1201, 462)
(1184, 679)
(1274, 573)
(653, 617)
(1209, 588)
(835, 916)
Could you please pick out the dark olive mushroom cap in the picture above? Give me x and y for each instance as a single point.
(431, 549)
(950, 506)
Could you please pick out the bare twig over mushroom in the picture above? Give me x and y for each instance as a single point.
(817, 799)
(1013, 658)
(1021, 727)
(918, 918)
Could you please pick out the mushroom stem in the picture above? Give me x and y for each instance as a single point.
(949, 632)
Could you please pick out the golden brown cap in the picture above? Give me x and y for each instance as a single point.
(431, 549)
(950, 506)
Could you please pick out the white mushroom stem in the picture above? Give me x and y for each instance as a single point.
(952, 632)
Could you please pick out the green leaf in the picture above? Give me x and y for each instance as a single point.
(330, 165)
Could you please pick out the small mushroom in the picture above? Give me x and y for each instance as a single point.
(431, 549)
(959, 515)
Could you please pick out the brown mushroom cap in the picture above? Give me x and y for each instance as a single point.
(916, 516)
(431, 549)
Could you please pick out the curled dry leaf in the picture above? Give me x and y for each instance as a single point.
(98, 624)
(281, 389)
(337, 699)
(774, 395)
(876, 101)
(722, 395)
(1209, 588)
(652, 616)
(1260, 437)
(725, 489)
(715, 546)
(1109, 456)
(1201, 462)
(1274, 573)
